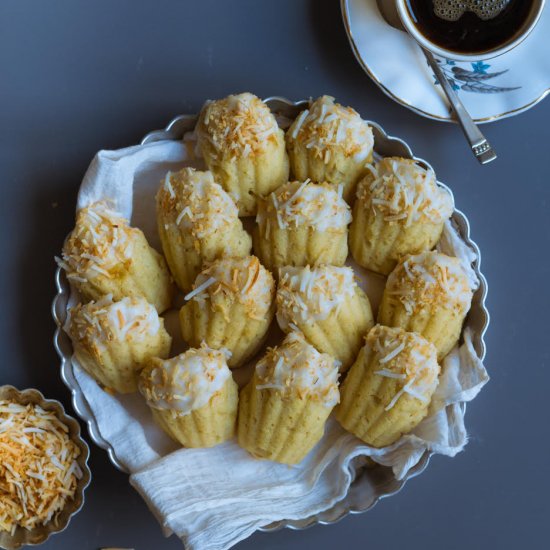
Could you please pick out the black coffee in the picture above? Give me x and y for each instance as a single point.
(470, 26)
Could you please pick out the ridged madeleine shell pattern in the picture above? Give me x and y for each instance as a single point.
(440, 325)
(299, 246)
(304, 164)
(377, 244)
(145, 274)
(369, 486)
(277, 427)
(342, 333)
(234, 330)
(250, 177)
(207, 426)
(364, 396)
(186, 254)
(117, 366)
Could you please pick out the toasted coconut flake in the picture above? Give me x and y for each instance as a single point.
(99, 244)
(431, 280)
(403, 191)
(297, 367)
(305, 203)
(96, 323)
(307, 294)
(243, 280)
(195, 203)
(327, 126)
(37, 475)
(407, 358)
(185, 382)
(237, 126)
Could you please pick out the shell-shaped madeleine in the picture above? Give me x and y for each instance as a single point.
(399, 210)
(197, 222)
(192, 396)
(284, 407)
(302, 223)
(231, 306)
(104, 255)
(388, 390)
(113, 340)
(329, 142)
(244, 148)
(327, 306)
(431, 294)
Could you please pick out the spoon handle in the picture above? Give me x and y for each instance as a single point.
(481, 148)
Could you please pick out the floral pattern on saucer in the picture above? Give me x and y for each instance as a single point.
(473, 80)
(501, 87)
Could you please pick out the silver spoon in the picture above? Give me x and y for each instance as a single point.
(481, 148)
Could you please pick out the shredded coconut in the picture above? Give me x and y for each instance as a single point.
(405, 357)
(99, 244)
(311, 294)
(228, 280)
(185, 382)
(430, 280)
(96, 323)
(402, 191)
(239, 126)
(38, 468)
(192, 201)
(296, 366)
(305, 203)
(327, 126)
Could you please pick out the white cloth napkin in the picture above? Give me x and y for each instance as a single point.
(213, 498)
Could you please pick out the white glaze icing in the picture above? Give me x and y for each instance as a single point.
(319, 206)
(186, 382)
(403, 191)
(327, 126)
(194, 202)
(106, 320)
(238, 125)
(297, 366)
(311, 294)
(243, 280)
(99, 243)
(431, 279)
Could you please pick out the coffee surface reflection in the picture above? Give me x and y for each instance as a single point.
(470, 26)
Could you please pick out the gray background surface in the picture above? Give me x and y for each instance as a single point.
(76, 77)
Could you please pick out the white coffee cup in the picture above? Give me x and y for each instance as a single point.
(518, 37)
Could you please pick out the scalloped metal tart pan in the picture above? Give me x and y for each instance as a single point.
(372, 483)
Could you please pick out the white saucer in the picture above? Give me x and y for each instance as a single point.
(497, 88)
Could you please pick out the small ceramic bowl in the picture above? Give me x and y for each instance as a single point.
(37, 535)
